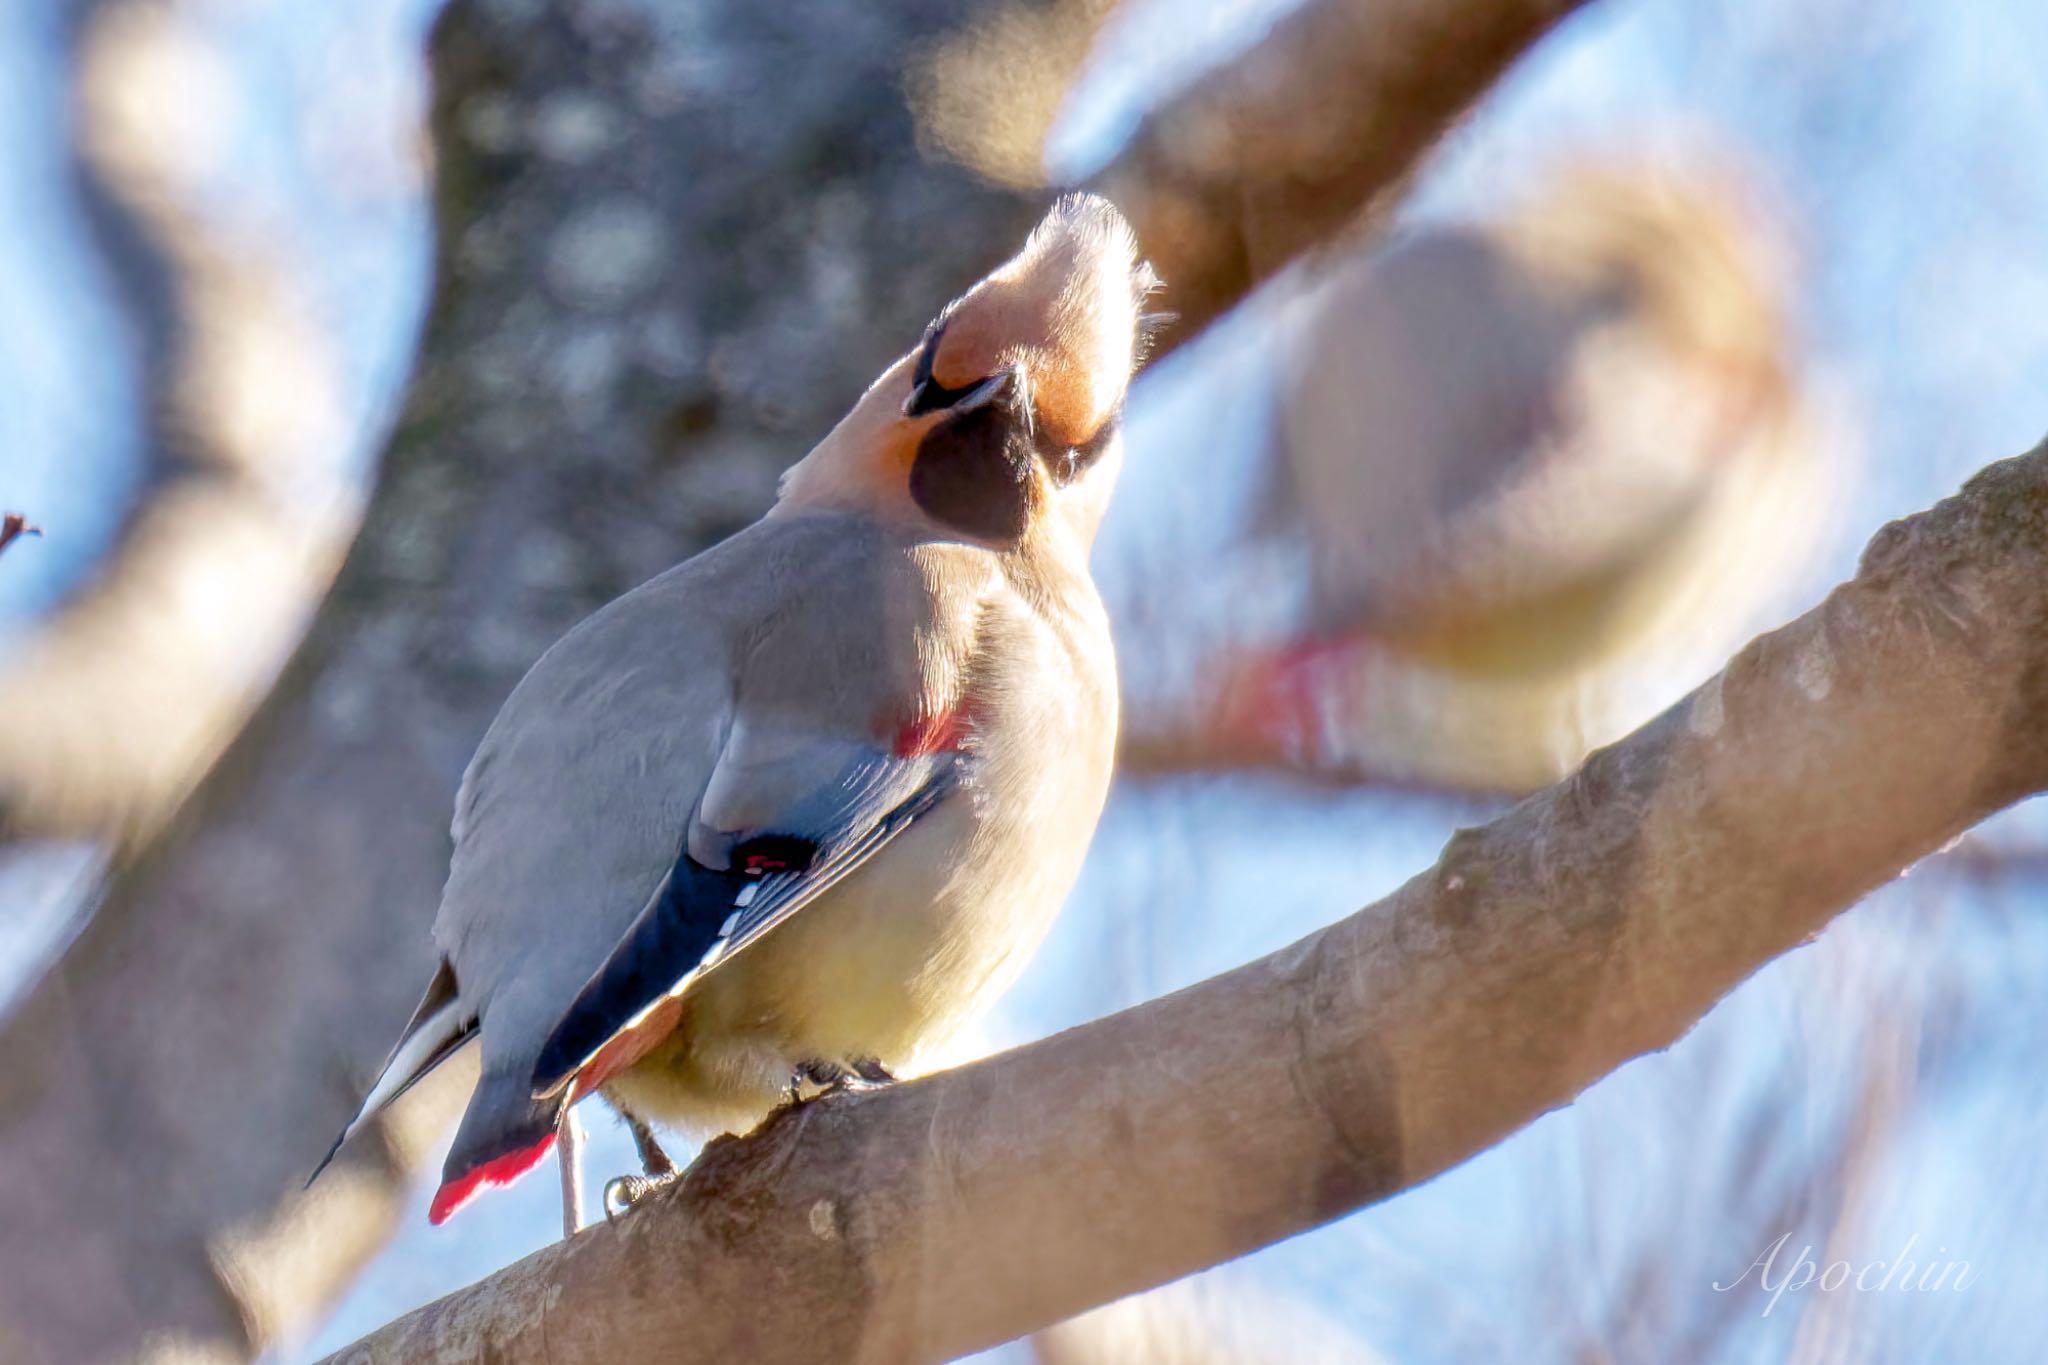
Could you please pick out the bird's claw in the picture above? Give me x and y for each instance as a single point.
(623, 1194)
(815, 1079)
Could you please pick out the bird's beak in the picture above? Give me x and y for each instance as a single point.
(982, 394)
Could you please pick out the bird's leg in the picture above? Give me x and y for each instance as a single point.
(658, 1171)
(654, 1162)
(569, 1156)
(810, 1079)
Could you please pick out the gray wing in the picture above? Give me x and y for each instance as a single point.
(705, 913)
(734, 708)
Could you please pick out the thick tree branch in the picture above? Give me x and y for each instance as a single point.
(1596, 921)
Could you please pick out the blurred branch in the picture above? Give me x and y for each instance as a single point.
(1978, 859)
(988, 94)
(112, 706)
(1596, 921)
(1253, 164)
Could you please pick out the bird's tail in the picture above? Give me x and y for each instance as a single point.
(438, 1030)
(505, 1133)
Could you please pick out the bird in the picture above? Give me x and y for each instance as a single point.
(1528, 476)
(793, 812)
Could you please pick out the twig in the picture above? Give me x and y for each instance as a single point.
(14, 525)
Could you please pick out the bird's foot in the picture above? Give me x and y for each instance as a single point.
(628, 1192)
(813, 1079)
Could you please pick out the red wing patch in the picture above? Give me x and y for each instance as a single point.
(934, 734)
(494, 1174)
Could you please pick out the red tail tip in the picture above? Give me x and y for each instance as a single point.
(493, 1174)
(1275, 707)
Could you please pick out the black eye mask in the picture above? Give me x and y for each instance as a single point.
(973, 473)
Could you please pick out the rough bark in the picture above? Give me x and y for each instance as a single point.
(676, 240)
(1595, 921)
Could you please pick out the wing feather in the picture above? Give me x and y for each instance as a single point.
(703, 916)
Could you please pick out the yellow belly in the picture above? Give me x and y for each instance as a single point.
(888, 965)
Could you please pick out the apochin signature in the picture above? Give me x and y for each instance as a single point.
(1866, 1277)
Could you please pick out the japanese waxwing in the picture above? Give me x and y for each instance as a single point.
(802, 805)
(1547, 470)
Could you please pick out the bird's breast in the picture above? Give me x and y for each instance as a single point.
(907, 949)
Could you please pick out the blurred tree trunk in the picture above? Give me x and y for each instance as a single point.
(671, 251)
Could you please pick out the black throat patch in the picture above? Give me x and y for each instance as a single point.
(973, 473)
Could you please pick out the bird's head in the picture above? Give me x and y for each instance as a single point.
(1006, 414)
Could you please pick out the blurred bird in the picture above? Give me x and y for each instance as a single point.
(1546, 467)
(791, 812)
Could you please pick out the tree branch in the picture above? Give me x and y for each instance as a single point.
(1325, 118)
(1595, 921)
